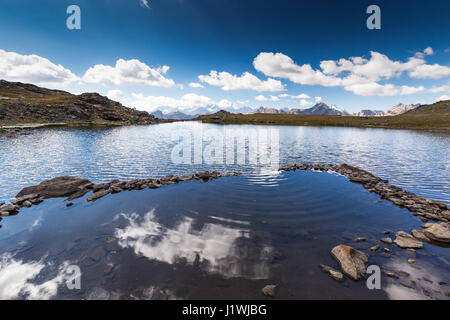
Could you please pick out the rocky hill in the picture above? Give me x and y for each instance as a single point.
(22, 103)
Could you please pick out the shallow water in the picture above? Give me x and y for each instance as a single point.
(417, 161)
(224, 239)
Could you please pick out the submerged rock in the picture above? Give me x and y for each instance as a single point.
(405, 240)
(386, 240)
(438, 232)
(269, 290)
(336, 275)
(374, 248)
(353, 262)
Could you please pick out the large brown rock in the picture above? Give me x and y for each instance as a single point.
(406, 241)
(353, 262)
(54, 188)
(438, 232)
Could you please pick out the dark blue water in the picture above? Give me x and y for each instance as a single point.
(224, 239)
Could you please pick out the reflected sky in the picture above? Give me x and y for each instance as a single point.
(214, 247)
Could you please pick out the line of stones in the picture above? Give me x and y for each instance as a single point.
(425, 208)
(80, 187)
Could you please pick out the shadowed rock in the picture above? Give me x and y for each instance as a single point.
(54, 188)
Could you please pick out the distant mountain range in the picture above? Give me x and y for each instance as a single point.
(395, 110)
(324, 109)
(176, 115)
(318, 109)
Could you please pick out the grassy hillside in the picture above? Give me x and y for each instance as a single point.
(29, 104)
(434, 117)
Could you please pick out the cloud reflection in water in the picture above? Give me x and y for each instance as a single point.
(216, 248)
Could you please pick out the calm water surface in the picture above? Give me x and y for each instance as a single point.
(224, 239)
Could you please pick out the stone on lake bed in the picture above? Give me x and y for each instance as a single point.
(269, 290)
(336, 275)
(438, 232)
(374, 248)
(360, 239)
(405, 240)
(353, 262)
(386, 240)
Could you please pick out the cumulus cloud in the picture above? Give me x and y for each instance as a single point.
(195, 85)
(305, 103)
(318, 99)
(290, 96)
(33, 69)
(115, 94)
(443, 98)
(247, 81)
(187, 103)
(356, 74)
(128, 72)
(264, 98)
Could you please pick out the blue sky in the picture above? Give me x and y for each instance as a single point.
(234, 53)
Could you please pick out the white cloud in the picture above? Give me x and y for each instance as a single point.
(428, 71)
(443, 98)
(246, 81)
(444, 88)
(281, 66)
(190, 103)
(33, 69)
(290, 96)
(318, 99)
(115, 94)
(404, 90)
(428, 51)
(195, 85)
(261, 98)
(306, 103)
(356, 74)
(128, 72)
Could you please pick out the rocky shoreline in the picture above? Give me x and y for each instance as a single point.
(436, 230)
(353, 263)
(72, 188)
(427, 209)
